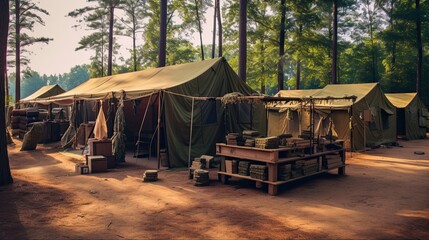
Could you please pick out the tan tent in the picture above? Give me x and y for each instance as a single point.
(411, 114)
(292, 117)
(344, 118)
(370, 99)
(43, 92)
(172, 99)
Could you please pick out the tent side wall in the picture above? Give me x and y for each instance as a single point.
(415, 126)
(208, 118)
(382, 130)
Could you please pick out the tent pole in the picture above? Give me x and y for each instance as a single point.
(190, 135)
(158, 147)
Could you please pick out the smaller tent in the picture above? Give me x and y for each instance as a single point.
(292, 117)
(342, 118)
(43, 92)
(411, 114)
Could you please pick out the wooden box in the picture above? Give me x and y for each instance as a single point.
(231, 166)
(80, 168)
(100, 147)
(97, 164)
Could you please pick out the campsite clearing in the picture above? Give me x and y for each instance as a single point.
(384, 195)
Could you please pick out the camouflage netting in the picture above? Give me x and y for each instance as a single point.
(118, 138)
(70, 135)
(32, 137)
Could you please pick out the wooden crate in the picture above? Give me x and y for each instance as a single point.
(100, 147)
(97, 164)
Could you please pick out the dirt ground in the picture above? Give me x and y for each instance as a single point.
(385, 195)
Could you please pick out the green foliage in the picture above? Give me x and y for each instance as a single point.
(30, 15)
(32, 80)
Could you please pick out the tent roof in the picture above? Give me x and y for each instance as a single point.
(401, 100)
(44, 92)
(297, 93)
(140, 83)
(360, 90)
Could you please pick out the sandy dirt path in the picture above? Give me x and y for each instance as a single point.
(385, 195)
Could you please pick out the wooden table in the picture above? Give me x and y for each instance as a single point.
(272, 158)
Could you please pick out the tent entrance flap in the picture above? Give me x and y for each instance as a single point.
(400, 121)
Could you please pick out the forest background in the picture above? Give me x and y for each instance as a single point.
(376, 41)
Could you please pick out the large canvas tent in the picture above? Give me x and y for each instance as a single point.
(411, 114)
(43, 92)
(344, 118)
(169, 100)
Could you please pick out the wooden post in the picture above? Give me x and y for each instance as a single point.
(272, 177)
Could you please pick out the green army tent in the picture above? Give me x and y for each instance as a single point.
(370, 101)
(184, 95)
(43, 92)
(337, 116)
(411, 114)
(292, 117)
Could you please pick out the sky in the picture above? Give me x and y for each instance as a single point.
(59, 56)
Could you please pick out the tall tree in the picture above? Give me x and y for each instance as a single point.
(133, 21)
(214, 30)
(334, 42)
(162, 46)
(419, 47)
(112, 4)
(192, 12)
(108, 8)
(200, 31)
(280, 67)
(219, 23)
(96, 22)
(5, 175)
(242, 39)
(25, 14)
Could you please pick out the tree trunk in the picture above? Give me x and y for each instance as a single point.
(110, 53)
(393, 59)
(134, 44)
(5, 175)
(102, 48)
(199, 29)
(419, 48)
(6, 87)
(17, 53)
(334, 43)
(162, 34)
(214, 31)
(242, 41)
(298, 73)
(219, 23)
(262, 49)
(280, 67)
(373, 57)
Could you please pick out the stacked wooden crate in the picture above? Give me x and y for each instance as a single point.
(284, 172)
(332, 161)
(267, 143)
(243, 168)
(259, 172)
(310, 166)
